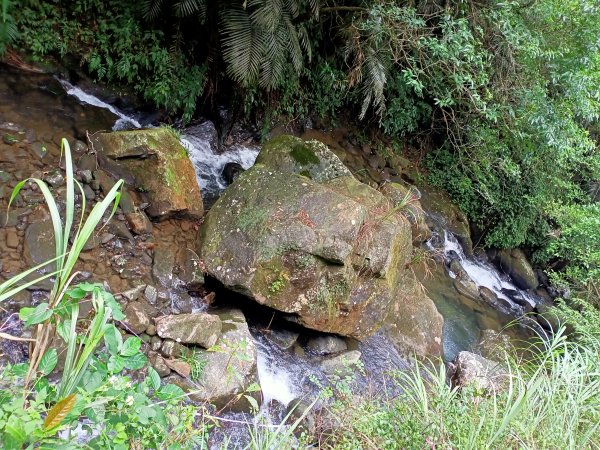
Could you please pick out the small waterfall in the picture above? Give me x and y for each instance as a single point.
(201, 143)
(482, 273)
(123, 121)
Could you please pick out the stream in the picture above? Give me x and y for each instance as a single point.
(54, 108)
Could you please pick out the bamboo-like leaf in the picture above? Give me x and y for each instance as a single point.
(59, 411)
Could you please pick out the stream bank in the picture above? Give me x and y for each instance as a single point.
(153, 264)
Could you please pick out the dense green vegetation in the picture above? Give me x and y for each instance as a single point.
(502, 97)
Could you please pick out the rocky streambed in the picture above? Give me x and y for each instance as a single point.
(309, 263)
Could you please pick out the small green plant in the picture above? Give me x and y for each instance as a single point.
(66, 256)
(196, 359)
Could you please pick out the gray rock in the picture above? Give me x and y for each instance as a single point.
(341, 365)
(133, 294)
(39, 150)
(514, 263)
(86, 176)
(164, 262)
(326, 345)
(475, 369)
(151, 294)
(54, 178)
(39, 243)
(138, 222)
(89, 193)
(172, 349)
(137, 318)
(298, 233)
(283, 338)
(230, 368)
(158, 363)
(200, 328)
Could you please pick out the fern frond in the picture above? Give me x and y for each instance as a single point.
(185, 8)
(151, 9)
(243, 48)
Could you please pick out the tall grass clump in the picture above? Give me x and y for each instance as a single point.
(64, 261)
(549, 400)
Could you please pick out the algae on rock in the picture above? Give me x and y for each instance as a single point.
(327, 249)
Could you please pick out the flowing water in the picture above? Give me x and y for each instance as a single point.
(284, 374)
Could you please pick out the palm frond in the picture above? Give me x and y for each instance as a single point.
(189, 7)
(151, 8)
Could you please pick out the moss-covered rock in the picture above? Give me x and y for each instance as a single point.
(325, 248)
(157, 165)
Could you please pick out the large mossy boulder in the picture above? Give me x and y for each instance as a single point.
(155, 163)
(298, 233)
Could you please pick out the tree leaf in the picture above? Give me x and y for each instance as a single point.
(131, 346)
(154, 378)
(136, 361)
(169, 391)
(113, 340)
(253, 402)
(48, 361)
(59, 412)
(33, 316)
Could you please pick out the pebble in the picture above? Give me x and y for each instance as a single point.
(12, 239)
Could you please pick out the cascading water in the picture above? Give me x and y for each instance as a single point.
(123, 121)
(482, 273)
(201, 143)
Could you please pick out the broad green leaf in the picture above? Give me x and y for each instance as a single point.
(113, 340)
(131, 346)
(169, 391)
(76, 293)
(135, 362)
(253, 402)
(154, 378)
(146, 414)
(116, 364)
(39, 314)
(48, 361)
(113, 305)
(64, 329)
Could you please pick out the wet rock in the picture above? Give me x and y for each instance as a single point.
(326, 345)
(231, 172)
(139, 223)
(54, 178)
(439, 204)
(488, 295)
(283, 338)
(39, 243)
(406, 199)
(12, 239)
(201, 328)
(548, 316)
(88, 162)
(341, 365)
(230, 368)
(515, 264)
(85, 176)
(191, 273)
(39, 150)
(181, 302)
(466, 287)
(150, 294)
(172, 349)
(137, 318)
(79, 146)
(89, 193)
(158, 363)
(164, 262)
(120, 230)
(159, 166)
(475, 369)
(298, 233)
